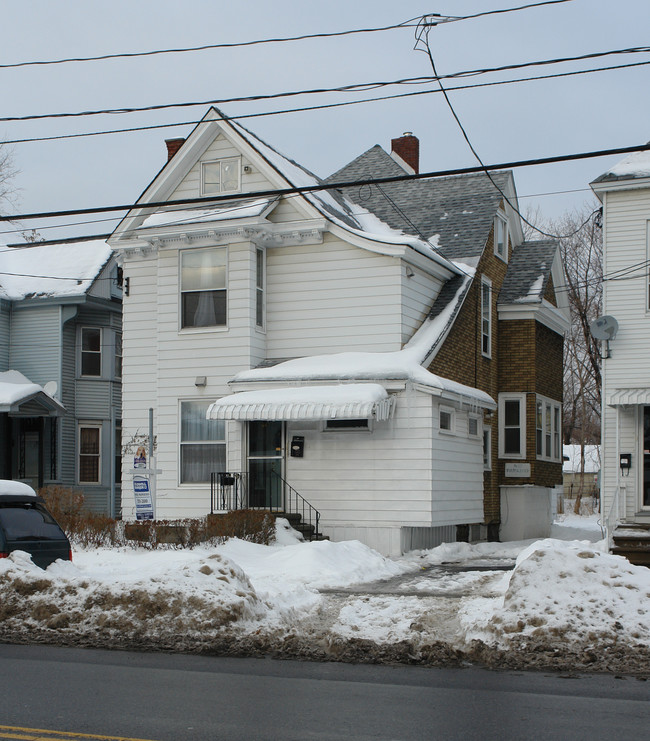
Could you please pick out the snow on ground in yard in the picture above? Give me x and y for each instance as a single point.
(563, 591)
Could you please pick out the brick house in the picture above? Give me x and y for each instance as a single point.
(391, 353)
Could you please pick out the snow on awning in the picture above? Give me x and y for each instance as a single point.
(20, 397)
(344, 401)
(629, 397)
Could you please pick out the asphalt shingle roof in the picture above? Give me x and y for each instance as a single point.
(529, 262)
(460, 209)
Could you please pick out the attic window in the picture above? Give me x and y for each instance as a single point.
(221, 176)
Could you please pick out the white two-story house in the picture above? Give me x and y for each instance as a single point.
(625, 193)
(287, 339)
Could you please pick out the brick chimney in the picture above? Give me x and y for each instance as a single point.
(407, 149)
(173, 145)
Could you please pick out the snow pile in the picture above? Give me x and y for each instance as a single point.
(156, 596)
(562, 593)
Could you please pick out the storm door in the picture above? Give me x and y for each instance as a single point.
(265, 458)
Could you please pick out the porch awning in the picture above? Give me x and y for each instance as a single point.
(629, 397)
(19, 397)
(343, 401)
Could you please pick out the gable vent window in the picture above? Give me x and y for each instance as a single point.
(221, 176)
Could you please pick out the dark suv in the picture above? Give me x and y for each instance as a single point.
(26, 525)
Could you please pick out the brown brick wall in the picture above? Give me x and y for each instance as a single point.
(549, 293)
(526, 358)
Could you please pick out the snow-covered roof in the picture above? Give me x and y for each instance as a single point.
(573, 465)
(51, 269)
(15, 488)
(16, 389)
(220, 212)
(341, 401)
(635, 165)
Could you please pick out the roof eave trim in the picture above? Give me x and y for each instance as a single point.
(542, 312)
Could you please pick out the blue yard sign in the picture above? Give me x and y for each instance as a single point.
(143, 499)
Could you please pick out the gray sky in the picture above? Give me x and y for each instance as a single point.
(507, 122)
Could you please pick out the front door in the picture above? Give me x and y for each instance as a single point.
(265, 458)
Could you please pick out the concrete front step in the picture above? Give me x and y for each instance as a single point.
(307, 530)
(632, 541)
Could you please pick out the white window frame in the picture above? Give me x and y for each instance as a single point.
(521, 398)
(548, 429)
(117, 281)
(260, 289)
(487, 448)
(486, 317)
(181, 443)
(89, 426)
(99, 352)
(118, 368)
(452, 420)
(181, 291)
(501, 227)
(473, 418)
(220, 162)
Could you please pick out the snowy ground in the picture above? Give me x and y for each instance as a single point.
(563, 602)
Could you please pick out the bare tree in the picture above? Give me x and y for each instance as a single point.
(581, 246)
(7, 174)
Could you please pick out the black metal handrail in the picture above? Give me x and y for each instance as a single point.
(295, 503)
(230, 491)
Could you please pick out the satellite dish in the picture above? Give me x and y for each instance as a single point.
(604, 328)
(50, 388)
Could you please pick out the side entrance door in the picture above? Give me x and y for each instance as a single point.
(265, 457)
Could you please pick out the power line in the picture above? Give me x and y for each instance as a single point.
(333, 186)
(355, 87)
(302, 109)
(282, 39)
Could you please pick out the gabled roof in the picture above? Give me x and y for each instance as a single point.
(633, 167)
(455, 213)
(528, 273)
(357, 221)
(20, 397)
(51, 269)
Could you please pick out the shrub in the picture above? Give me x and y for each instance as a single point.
(254, 525)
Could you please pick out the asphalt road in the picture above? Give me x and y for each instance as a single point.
(176, 697)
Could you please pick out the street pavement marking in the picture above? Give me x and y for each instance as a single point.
(36, 734)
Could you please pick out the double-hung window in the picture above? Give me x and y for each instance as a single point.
(486, 317)
(221, 176)
(203, 288)
(89, 453)
(202, 443)
(548, 428)
(91, 351)
(512, 425)
(118, 355)
(501, 237)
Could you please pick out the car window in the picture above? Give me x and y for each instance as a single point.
(24, 522)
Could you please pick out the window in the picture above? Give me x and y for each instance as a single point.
(487, 448)
(117, 281)
(91, 351)
(472, 426)
(548, 428)
(118, 355)
(347, 424)
(259, 288)
(203, 288)
(220, 176)
(117, 471)
(501, 237)
(89, 454)
(512, 425)
(202, 443)
(447, 421)
(486, 317)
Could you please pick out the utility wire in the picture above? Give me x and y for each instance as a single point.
(328, 105)
(205, 202)
(355, 87)
(422, 40)
(282, 39)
